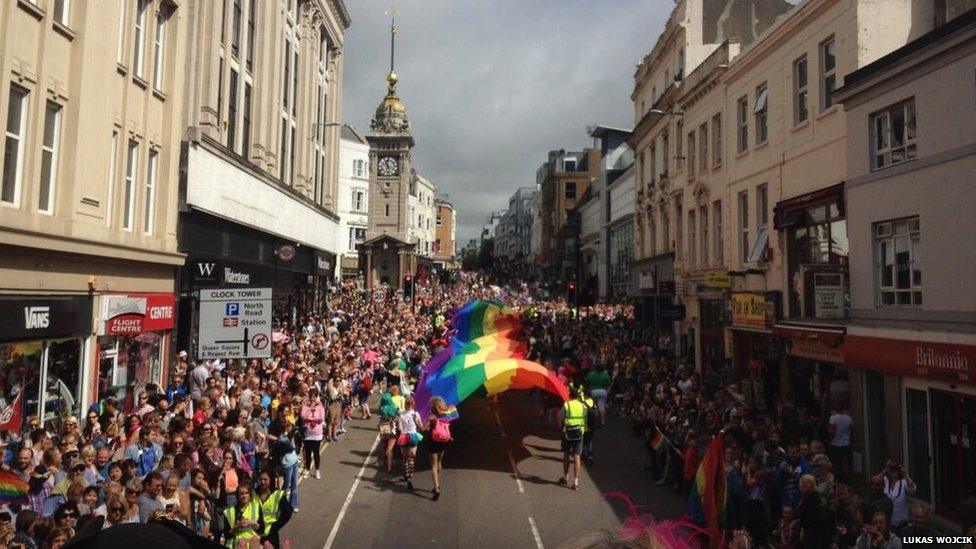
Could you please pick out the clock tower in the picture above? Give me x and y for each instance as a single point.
(387, 256)
(390, 172)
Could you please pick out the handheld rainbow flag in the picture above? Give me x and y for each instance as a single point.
(12, 488)
(706, 502)
(657, 439)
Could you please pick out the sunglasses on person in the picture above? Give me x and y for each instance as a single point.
(116, 509)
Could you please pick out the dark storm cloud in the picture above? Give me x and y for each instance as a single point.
(491, 86)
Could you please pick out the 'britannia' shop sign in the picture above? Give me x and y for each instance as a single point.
(235, 323)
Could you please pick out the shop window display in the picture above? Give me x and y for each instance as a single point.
(126, 364)
(26, 366)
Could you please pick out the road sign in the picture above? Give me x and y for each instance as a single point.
(379, 295)
(234, 323)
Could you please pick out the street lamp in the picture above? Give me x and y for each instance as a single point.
(662, 113)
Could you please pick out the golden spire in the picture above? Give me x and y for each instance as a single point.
(391, 78)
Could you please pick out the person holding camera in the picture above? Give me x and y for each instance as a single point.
(877, 534)
(897, 486)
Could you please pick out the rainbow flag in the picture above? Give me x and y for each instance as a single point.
(11, 487)
(657, 439)
(706, 502)
(484, 357)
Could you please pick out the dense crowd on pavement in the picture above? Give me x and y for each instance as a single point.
(222, 447)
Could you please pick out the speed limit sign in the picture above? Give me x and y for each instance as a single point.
(379, 295)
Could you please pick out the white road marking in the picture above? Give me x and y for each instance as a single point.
(498, 420)
(352, 491)
(535, 534)
(518, 478)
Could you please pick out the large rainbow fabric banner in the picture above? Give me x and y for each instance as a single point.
(12, 488)
(484, 357)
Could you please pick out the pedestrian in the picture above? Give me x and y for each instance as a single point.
(598, 381)
(388, 421)
(877, 534)
(313, 418)
(897, 486)
(574, 428)
(275, 507)
(440, 435)
(408, 424)
(244, 521)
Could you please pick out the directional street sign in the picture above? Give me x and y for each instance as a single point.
(234, 323)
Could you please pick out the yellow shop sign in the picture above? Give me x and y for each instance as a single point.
(718, 279)
(749, 310)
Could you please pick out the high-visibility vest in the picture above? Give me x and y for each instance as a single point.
(270, 508)
(251, 512)
(574, 414)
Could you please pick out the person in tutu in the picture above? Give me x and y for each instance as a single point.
(407, 425)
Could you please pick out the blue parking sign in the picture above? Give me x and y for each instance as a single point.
(233, 309)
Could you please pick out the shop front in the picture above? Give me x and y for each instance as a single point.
(294, 283)
(813, 371)
(652, 290)
(929, 401)
(750, 344)
(43, 343)
(134, 332)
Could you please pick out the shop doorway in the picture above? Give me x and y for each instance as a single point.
(954, 436)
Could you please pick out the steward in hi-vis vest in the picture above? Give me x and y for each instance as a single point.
(244, 520)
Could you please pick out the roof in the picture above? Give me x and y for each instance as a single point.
(873, 69)
(601, 131)
(350, 134)
(386, 237)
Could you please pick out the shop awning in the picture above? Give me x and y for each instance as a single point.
(789, 212)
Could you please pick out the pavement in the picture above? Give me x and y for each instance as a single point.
(499, 487)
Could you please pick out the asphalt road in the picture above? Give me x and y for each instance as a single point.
(499, 487)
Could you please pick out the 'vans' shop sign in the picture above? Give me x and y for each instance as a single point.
(137, 314)
(26, 318)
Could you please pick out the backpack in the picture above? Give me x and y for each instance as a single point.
(441, 431)
(593, 419)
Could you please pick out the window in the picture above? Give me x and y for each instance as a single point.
(703, 147)
(666, 229)
(742, 123)
(49, 158)
(440, 221)
(828, 72)
(235, 30)
(356, 236)
(899, 249)
(129, 203)
(13, 148)
(151, 175)
(386, 208)
(246, 125)
(762, 205)
(120, 52)
(744, 226)
(893, 135)
(703, 220)
(158, 50)
(570, 189)
(140, 37)
(232, 112)
(358, 200)
(61, 11)
(679, 154)
(717, 140)
(817, 247)
(717, 231)
(110, 195)
(800, 111)
(665, 149)
(691, 154)
(760, 112)
(678, 224)
(250, 34)
(653, 155)
(692, 237)
(652, 231)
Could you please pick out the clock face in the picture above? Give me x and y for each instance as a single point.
(387, 166)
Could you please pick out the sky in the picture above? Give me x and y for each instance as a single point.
(491, 86)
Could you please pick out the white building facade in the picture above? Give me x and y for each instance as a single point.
(421, 214)
(353, 200)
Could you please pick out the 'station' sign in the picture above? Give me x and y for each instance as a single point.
(235, 323)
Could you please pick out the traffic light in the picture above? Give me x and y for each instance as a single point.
(571, 292)
(408, 287)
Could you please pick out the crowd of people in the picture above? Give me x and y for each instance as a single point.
(222, 446)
